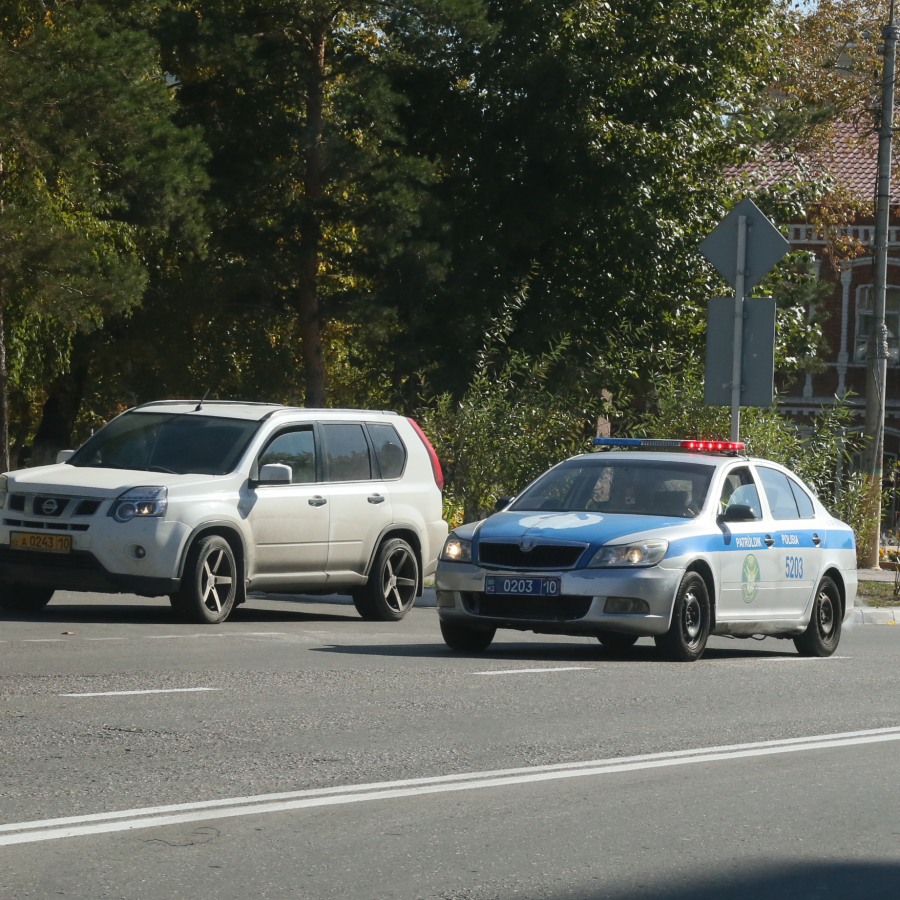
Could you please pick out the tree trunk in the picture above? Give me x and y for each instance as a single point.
(4, 389)
(61, 407)
(307, 297)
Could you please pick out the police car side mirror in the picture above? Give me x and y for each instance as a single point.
(738, 513)
(502, 503)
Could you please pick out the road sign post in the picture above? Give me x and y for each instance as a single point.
(736, 373)
(743, 247)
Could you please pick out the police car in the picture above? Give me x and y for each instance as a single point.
(684, 541)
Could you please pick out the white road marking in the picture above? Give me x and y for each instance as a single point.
(128, 693)
(526, 671)
(156, 816)
(802, 658)
(160, 637)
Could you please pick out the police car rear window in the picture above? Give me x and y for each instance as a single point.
(628, 486)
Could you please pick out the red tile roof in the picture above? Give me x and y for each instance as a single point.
(851, 158)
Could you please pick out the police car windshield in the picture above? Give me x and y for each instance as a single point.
(634, 487)
(174, 443)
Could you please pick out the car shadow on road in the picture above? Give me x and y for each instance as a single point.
(813, 880)
(556, 652)
(143, 611)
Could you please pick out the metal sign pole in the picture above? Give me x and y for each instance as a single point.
(738, 328)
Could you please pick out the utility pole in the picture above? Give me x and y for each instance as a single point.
(877, 351)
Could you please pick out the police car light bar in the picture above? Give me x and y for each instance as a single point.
(662, 444)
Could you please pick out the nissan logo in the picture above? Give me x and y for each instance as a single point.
(49, 506)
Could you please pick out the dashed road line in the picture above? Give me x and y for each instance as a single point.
(152, 691)
(534, 671)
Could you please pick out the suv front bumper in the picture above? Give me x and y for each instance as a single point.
(79, 570)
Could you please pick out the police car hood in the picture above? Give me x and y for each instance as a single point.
(580, 527)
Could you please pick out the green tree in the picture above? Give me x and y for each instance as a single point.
(313, 190)
(586, 143)
(96, 181)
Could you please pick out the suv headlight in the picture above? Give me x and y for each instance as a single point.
(139, 503)
(4, 487)
(457, 550)
(641, 553)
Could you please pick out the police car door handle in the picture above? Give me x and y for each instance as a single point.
(817, 540)
(375, 498)
(317, 501)
(769, 540)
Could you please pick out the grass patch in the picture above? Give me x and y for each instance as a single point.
(876, 593)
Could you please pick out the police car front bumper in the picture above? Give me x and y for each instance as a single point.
(580, 608)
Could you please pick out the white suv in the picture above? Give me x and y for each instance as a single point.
(205, 501)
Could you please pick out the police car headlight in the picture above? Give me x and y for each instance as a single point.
(457, 550)
(643, 553)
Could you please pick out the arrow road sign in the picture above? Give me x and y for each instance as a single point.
(765, 245)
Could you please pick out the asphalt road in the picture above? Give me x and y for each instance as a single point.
(401, 771)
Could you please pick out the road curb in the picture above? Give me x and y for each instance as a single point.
(860, 615)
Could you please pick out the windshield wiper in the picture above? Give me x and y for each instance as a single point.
(163, 469)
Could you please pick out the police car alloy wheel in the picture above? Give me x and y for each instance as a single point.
(824, 631)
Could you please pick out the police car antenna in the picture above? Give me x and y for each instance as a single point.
(200, 404)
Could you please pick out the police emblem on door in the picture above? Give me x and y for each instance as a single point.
(750, 578)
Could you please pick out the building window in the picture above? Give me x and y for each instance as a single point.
(864, 318)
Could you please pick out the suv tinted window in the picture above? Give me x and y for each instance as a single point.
(389, 450)
(296, 449)
(778, 493)
(346, 453)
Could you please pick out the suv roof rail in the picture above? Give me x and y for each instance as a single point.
(211, 402)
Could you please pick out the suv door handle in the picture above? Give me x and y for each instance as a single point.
(375, 498)
(317, 501)
(817, 540)
(769, 540)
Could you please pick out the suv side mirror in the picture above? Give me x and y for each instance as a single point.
(276, 473)
(738, 513)
(63, 455)
(502, 503)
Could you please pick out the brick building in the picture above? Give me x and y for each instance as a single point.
(849, 308)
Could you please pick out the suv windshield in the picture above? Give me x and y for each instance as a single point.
(630, 486)
(176, 443)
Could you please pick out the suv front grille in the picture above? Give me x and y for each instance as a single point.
(51, 507)
(53, 526)
(543, 556)
(544, 609)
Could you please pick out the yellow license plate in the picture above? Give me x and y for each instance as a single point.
(28, 540)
